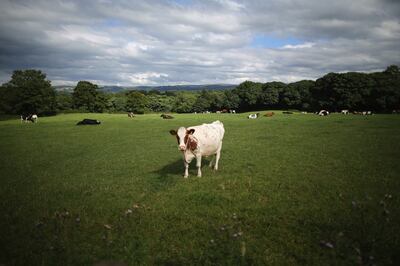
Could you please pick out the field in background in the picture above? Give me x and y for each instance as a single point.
(291, 189)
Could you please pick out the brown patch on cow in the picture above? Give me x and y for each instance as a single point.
(190, 131)
(190, 143)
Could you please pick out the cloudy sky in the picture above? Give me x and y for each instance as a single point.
(196, 42)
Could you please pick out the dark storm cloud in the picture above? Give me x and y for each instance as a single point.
(177, 42)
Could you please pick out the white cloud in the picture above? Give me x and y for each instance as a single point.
(146, 78)
(299, 46)
(161, 42)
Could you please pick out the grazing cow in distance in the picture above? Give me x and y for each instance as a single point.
(198, 141)
(323, 113)
(269, 114)
(31, 117)
(232, 111)
(362, 113)
(345, 112)
(34, 118)
(87, 121)
(164, 116)
(131, 115)
(253, 116)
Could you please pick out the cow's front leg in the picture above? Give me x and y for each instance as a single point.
(198, 164)
(186, 169)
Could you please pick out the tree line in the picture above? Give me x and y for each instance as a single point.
(29, 91)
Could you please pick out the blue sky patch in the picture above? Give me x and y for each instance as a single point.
(264, 41)
(112, 22)
(182, 2)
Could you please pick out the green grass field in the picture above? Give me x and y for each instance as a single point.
(291, 190)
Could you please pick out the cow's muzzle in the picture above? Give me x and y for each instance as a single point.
(182, 147)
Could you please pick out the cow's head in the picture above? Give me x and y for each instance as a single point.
(183, 136)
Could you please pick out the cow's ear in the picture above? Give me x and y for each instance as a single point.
(190, 131)
(172, 132)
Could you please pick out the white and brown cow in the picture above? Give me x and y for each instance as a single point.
(253, 116)
(198, 141)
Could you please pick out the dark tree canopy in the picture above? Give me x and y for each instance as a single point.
(358, 91)
(249, 93)
(86, 97)
(28, 92)
(136, 102)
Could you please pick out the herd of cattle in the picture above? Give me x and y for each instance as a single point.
(34, 118)
(198, 141)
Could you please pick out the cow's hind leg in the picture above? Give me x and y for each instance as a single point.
(217, 157)
(212, 160)
(198, 164)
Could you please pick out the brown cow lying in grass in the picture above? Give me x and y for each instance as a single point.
(269, 114)
(164, 116)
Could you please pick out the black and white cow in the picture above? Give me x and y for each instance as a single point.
(253, 116)
(29, 118)
(323, 113)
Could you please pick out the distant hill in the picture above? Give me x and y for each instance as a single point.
(65, 88)
(188, 87)
(115, 89)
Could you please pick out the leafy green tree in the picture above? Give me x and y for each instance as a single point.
(290, 97)
(270, 94)
(303, 87)
(160, 103)
(116, 103)
(8, 98)
(230, 99)
(28, 91)
(344, 91)
(249, 93)
(86, 96)
(385, 95)
(136, 102)
(64, 101)
(218, 101)
(392, 70)
(184, 102)
(203, 102)
(100, 102)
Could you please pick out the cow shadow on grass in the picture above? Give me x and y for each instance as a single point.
(172, 169)
(170, 173)
(167, 175)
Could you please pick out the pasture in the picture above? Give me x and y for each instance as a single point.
(290, 190)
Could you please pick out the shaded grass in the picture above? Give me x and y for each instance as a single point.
(285, 184)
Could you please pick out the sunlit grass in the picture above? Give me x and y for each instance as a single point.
(291, 189)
